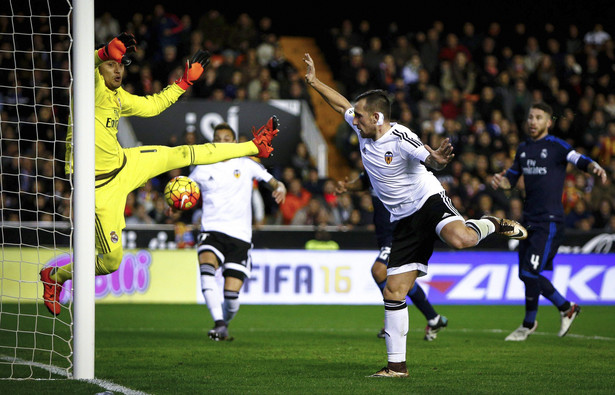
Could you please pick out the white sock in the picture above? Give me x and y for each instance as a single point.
(434, 320)
(396, 326)
(483, 227)
(211, 293)
(230, 305)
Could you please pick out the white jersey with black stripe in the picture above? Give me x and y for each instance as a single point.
(226, 193)
(396, 170)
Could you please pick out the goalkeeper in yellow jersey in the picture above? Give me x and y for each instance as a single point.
(121, 170)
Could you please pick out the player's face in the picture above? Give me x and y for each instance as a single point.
(538, 123)
(112, 73)
(224, 136)
(363, 121)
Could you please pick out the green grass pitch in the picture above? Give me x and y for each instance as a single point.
(314, 349)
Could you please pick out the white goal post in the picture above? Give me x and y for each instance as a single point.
(83, 137)
(46, 216)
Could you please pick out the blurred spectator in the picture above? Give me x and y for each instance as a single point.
(595, 39)
(602, 215)
(452, 47)
(166, 29)
(429, 48)
(343, 209)
(313, 213)
(604, 151)
(106, 27)
(480, 99)
(296, 198)
(264, 83)
(139, 216)
(301, 160)
(580, 217)
(374, 54)
(573, 41)
(159, 212)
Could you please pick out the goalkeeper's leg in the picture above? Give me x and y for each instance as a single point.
(105, 264)
(146, 162)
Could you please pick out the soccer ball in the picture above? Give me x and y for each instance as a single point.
(182, 193)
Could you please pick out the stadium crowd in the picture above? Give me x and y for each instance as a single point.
(472, 86)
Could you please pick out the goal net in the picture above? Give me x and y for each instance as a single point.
(35, 193)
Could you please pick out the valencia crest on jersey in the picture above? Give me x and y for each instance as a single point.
(388, 157)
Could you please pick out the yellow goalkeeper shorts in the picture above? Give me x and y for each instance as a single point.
(142, 163)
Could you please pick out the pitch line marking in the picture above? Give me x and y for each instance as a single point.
(448, 329)
(107, 385)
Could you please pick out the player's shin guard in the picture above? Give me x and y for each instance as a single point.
(482, 227)
(211, 292)
(396, 328)
(230, 306)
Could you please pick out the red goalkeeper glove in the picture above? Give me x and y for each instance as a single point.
(194, 69)
(117, 48)
(264, 135)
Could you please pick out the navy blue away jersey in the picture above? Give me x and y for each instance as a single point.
(382, 216)
(543, 166)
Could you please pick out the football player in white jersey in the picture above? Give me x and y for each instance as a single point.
(397, 163)
(226, 228)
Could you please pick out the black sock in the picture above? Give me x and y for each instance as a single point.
(419, 299)
(565, 307)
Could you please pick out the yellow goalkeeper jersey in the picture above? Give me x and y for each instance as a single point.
(110, 106)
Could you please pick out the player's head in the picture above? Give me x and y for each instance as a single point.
(112, 72)
(223, 133)
(372, 109)
(539, 120)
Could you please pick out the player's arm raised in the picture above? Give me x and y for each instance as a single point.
(194, 68)
(338, 102)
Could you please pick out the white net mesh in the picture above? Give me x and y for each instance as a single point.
(35, 193)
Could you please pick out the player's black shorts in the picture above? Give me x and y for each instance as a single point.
(233, 254)
(414, 236)
(536, 253)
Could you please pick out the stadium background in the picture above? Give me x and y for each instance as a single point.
(160, 349)
(349, 227)
(280, 256)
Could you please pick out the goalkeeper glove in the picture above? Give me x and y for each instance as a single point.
(264, 135)
(117, 48)
(194, 69)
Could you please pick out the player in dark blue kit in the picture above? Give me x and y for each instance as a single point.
(542, 161)
(384, 237)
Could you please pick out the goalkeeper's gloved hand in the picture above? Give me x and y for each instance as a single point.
(117, 48)
(264, 135)
(194, 69)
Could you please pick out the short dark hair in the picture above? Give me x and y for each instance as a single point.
(376, 100)
(544, 107)
(225, 126)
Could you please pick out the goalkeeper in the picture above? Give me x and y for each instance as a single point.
(121, 170)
